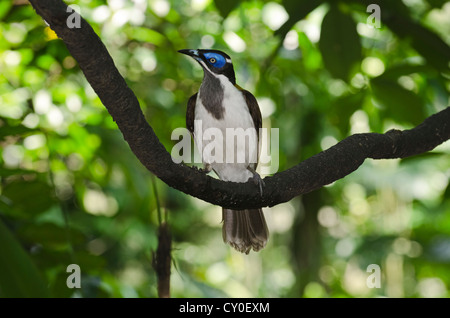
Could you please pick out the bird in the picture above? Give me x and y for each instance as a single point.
(221, 104)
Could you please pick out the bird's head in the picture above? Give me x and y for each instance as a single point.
(214, 62)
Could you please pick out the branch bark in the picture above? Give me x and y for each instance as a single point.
(162, 260)
(311, 174)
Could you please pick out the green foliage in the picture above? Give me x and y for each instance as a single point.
(225, 7)
(20, 277)
(339, 44)
(401, 104)
(71, 191)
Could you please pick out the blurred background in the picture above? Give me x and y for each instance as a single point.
(72, 192)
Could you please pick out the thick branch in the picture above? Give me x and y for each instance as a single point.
(311, 174)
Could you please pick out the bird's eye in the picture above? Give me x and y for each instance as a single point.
(212, 60)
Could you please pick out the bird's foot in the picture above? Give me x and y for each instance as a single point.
(257, 180)
(206, 168)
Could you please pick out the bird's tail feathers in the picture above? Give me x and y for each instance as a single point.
(245, 229)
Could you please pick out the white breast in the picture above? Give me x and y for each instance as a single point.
(228, 159)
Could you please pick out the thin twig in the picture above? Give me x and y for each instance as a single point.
(162, 260)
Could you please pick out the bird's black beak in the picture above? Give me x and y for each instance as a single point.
(192, 53)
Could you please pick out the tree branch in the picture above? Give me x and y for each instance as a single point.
(311, 174)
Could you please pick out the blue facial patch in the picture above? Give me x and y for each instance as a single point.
(215, 59)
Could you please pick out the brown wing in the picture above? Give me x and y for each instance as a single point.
(190, 113)
(254, 110)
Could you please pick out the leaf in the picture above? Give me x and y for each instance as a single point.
(145, 35)
(396, 71)
(49, 235)
(28, 197)
(339, 43)
(447, 192)
(5, 172)
(8, 130)
(402, 105)
(225, 7)
(437, 3)
(343, 108)
(297, 10)
(423, 156)
(5, 6)
(19, 277)
(427, 43)
(396, 15)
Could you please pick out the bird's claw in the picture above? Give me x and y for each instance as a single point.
(257, 180)
(206, 168)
